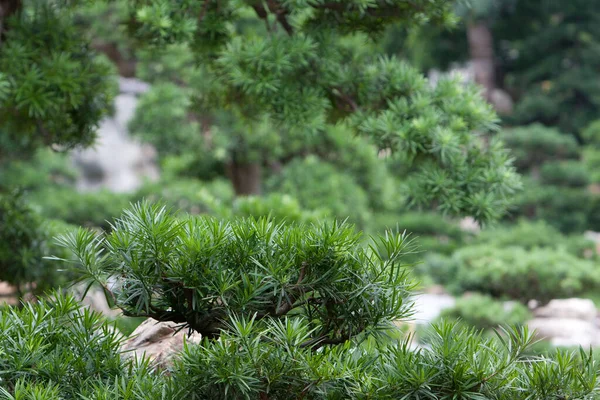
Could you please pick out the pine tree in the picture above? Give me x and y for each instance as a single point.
(303, 66)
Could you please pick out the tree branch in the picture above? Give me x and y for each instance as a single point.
(279, 12)
(345, 98)
(281, 15)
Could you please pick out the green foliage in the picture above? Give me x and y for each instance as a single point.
(53, 87)
(91, 209)
(278, 207)
(556, 48)
(359, 158)
(289, 71)
(45, 167)
(59, 349)
(191, 196)
(564, 173)
(591, 134)
(56, 349)
(483, 312)
(318, 185)
(591, 159)
(24, 240)
(535, 144)
(432, 232)
(162, 120)
(535, 234)
(567, 209)
(516, 273)
(198, 270)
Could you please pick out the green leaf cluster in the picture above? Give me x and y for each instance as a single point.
(53, 88)
(484, 312)
(198, 270)
(516, 273)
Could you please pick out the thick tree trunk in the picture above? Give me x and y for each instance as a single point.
(246, 178)
(126, 66)
(481, 49)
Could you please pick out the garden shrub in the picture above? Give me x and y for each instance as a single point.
(285, 311)
(516, 273)
(190, 195)
(531, 234)
(484, 312)
(91, 209)
(162, 120)
(565, 173)
(534, 144)
(566, 209)
(25, 238)
(44, 168)
(318, 185)
(58, 349)
(279, 207)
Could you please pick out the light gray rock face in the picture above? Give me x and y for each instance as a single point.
(567, 322)
(566, 331)
(428, 306)
(117, 162)
(158, 341)
(582, 309)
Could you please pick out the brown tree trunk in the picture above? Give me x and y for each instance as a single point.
(481, 49)
(7, 8)
(246, 178)
(126, 66)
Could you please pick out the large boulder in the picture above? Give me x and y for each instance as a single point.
(566, 332)
(567, 322)
(159, 341)
(582, 309)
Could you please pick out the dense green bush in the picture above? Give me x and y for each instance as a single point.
(484, 312)
(432, 232)
(287, 311)
(533, 234)
(565, 173)
(279, 207)
(44, 168)
(359, 158)
(567, 209)
(92, 209)
(318, 185)
(515, 273)
(245, 266)
(54, 88)
(25, 238)
(532, 145)
(57, 349)
(163, 120)
(190, 195)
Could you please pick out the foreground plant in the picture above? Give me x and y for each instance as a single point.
(294, 312)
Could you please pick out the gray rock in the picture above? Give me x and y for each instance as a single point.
(566, 331)
(574, 308)
(116, 162)
(429, 306)
(158, 341)
(132, 86)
